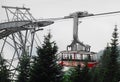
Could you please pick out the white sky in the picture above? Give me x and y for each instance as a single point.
(95, 31)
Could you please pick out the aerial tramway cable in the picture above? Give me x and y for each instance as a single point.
(82, 16)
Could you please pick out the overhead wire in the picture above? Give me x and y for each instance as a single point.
(69, 17)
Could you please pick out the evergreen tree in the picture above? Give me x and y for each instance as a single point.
(109, 66)
(105, 58)
(104, 65)
(69, 75)
(72, 75)
(45, 67)
(4, 72)
(95, 74)
(85, 74)
(24, 69)
(78, 74)
(113, 64)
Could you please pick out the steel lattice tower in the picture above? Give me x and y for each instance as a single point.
(18, 35)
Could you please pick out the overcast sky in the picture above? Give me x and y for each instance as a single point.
(95, 31)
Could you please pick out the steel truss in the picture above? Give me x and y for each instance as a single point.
(18, 36)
